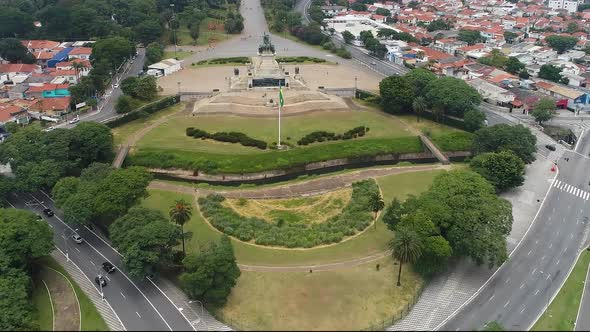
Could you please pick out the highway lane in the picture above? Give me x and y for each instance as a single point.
(522, 288)
(139, 305)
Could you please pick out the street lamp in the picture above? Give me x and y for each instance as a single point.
(178, 87)
(202, 312)
(67, 245)
(174, 28)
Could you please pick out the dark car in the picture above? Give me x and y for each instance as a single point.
(550, 147)
(48, 212)
(100, 281)
(108, 267)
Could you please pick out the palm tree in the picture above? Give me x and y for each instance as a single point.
(376, 203)
(78, 67)
(406, 248)
(419, 106)
(180, 213)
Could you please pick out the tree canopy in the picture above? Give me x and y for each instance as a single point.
(544, 110)
(504, 170)
(561, 43)
(550, 72)
(396, 93)
(500, 137)
(470, 36)
(211, 274)
(145, 238)
(12, 50)
(452, 95)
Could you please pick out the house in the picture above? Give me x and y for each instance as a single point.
(35, 46)
(50, 107)
(332, 10)
(449, 45)
(48, 91)
(69, 65)
(565, 96)
(164, 67)
(12, 113)
(82, 53)
(491, 92)
(569, 6)
(60, 56)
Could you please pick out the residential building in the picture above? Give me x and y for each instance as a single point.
(570, 6)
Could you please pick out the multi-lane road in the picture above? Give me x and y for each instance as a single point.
(520, 290)
(138, 304)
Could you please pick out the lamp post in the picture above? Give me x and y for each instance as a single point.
(66, 244)
(178, 87)
(202, 313)
(174, 28)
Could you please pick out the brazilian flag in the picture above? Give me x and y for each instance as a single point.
(281, 99)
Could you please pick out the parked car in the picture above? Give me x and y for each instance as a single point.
(77, 238)
(374, 63)
(550, 147)
(100, 281)
(74, 120)
(108, 267)
(48, 212)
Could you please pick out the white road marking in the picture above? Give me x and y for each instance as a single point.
(556, 183)
(507, 280)
(550, 245)
(586, 196)
(549, 219)
(529, 252)
(534, 270)
(491, 298)
(542, 258)
(91, 262)
(107, 277)
(548, 276)
(576, 191)
(507, 303)
(521, 285)
(138, 315)
(522, 310)
(122, 295)
(78, 250)
(572, 236)
(559, 260)
(50, 225)
(537, 292)
(63, 236)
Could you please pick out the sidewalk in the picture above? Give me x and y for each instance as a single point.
(448, 292)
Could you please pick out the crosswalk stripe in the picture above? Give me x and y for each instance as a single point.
(576, 191)
(569, 188)
(582, 192)
(562, 186)
(556, 183)
(586, 195)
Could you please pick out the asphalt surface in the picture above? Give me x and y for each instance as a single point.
(139, 305)
(106, 105)
(518, 293)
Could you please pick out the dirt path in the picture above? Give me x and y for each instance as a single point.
(311, 187)
(317, 267)
(65, 302)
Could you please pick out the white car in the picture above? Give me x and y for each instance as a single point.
(116, 86)
(50, 128)
(74, 120)
(77, 238)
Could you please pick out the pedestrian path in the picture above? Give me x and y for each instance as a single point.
(565, 187)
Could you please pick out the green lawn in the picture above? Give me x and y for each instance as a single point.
(454, 141)
(171, 135)
(426, 125)
(91, 319)
(168, 146)
(123, 132)
(183, 36)
(179, 54)
(561, 314)
(352, 298)
(42, 305)
(369, 242)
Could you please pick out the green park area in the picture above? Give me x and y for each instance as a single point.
(562, 312)
(43, 306)
(211, 31)
(168, 145)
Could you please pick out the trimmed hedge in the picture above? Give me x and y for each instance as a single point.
(144, 111)
(299, 59)
(231, 137)
(221, 61)
(219, 163)
(355, 217)
(321, 136)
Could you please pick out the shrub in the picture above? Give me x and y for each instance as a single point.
(321, 136)
(144, 111)
(355, 217)
(231, 137)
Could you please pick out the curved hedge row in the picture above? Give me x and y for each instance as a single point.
(231, 137)
(320, 136)
(258, 161)
(355, 217)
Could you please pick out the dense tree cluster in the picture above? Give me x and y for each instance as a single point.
(502, 137)
(552, 73)
(460, 215)
(211, 274)
(470, 36)
(445, 96)
(561, 43)
(39, 159)
(503, 169)
(23, 239)
(12, 50)
(101, 194)
(146, 239)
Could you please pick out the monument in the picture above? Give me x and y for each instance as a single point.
(266, 71)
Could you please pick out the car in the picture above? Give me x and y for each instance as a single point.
(133, 58)
(374, 63)
(100, 281)
(50, 128)
(131, 61)
(77, 238)
(74, 120)
(108, 267)
(48, 212)
(116, 86)
(550, 147)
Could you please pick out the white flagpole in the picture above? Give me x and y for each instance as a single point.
(279, 145)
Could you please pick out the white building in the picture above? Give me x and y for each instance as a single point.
(570, 6)
(164, 67)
